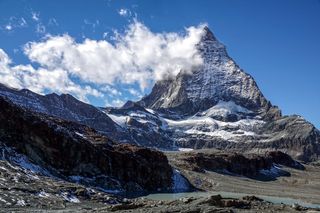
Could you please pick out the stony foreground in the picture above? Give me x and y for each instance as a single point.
(303, 184)
(214, 203)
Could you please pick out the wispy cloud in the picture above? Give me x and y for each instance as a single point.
(14, 23)
(8, 27)
(40, 28)
(110, 90)
(92, 24)
(124, 12)
(35, 16)
(40, 80)
(53, 22)
(115, 102)
(134, 92)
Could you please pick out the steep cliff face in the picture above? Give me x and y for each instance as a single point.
(219, 78)
(76, 152)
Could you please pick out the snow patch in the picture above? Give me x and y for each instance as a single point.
(21, 203)
(207, 126)
(224, 108)
(185, 149)
(69, 197)
(79, 134)
(119, 119)
(151, 111)
(43, 194)
(19, 161)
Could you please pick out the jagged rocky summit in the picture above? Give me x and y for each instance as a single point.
(218, 79)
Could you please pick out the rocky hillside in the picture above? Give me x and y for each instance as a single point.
(78, 153)
(66, 107)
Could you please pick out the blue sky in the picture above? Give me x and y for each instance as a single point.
(277, 42)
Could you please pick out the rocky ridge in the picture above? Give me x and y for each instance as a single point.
(78, 153)
(66, 107)
(261, 167)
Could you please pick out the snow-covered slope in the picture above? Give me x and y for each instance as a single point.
(146, 127)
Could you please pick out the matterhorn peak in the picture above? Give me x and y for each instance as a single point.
(207, 35)
(218, 79)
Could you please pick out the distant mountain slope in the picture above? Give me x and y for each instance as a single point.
(66, 107)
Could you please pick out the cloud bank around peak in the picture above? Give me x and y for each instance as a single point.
(136, 56)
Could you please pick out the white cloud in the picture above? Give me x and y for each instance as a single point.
(40, 28)
(35, 16)
(22, 22)
(93, 25)
(110, 90)
(117, 103)
(8, 27)
(136, 56)
(53, 22)
(114, 103)
(40, 80)
(105, 35)
(134, 92)
(124, 12)
(14, 23)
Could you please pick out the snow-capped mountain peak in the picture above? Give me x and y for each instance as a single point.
(218, 79)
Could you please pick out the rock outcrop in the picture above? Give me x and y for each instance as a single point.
(265, 167)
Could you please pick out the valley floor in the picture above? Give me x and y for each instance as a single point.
(22, 191)
(302, 184)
